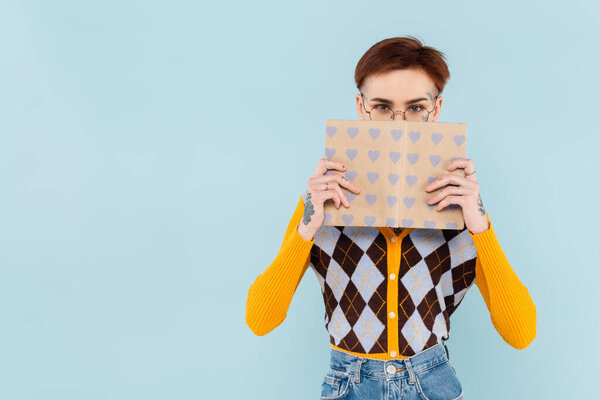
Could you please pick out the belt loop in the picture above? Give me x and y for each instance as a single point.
(411, 373)
(359, 362)
(447, 351)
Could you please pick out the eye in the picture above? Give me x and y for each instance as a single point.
(416, 108)
(381, 107)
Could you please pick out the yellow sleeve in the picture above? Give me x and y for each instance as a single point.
(270, 295)
(511, 308)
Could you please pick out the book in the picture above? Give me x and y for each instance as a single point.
(392, 162)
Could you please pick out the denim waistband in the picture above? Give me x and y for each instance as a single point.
(389, 369)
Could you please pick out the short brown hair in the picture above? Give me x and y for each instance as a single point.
(402, 53)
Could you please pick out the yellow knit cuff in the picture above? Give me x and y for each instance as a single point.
(473, 235)
(297, 241)
(488, 246)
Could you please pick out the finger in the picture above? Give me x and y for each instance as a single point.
(343, 181)
(458, 200)
(449, 178)
(447, 191)
(457, 163)
(317, 186)
(348, 184)
(325, 164)
(333, 195)
(465, 163)
(335, 185)
(333, 181)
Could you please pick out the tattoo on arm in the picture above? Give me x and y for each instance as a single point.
(309, 209)
(480, 204)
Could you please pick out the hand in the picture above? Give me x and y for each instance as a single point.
(462, 191)
(324, 184)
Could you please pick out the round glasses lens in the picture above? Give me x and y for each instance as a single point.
(381, 113)
(417, 113)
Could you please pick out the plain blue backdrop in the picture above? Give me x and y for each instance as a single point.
(152, 153)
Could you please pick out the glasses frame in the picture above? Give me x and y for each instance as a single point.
(398, 112)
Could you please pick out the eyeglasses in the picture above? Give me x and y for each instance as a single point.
(414, 112)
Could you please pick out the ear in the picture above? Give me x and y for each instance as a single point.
(438, 108)
(359, 107)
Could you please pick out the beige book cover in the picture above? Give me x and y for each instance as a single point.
(392, 162)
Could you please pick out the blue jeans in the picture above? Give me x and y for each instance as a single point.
(427, 375)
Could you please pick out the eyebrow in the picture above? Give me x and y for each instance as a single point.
(385, 101)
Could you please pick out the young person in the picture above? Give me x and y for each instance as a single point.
(389, 292)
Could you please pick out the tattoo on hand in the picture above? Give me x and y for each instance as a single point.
(309, 209)
(480, 204)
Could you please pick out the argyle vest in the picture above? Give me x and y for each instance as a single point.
(437, 267)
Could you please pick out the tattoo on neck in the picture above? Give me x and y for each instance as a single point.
(309, 209)
(480, 204)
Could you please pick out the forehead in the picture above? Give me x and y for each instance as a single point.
(399, 85)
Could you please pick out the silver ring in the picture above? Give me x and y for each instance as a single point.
(326, 186)
(470, 173)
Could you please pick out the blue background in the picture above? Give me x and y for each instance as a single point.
(152, 153)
